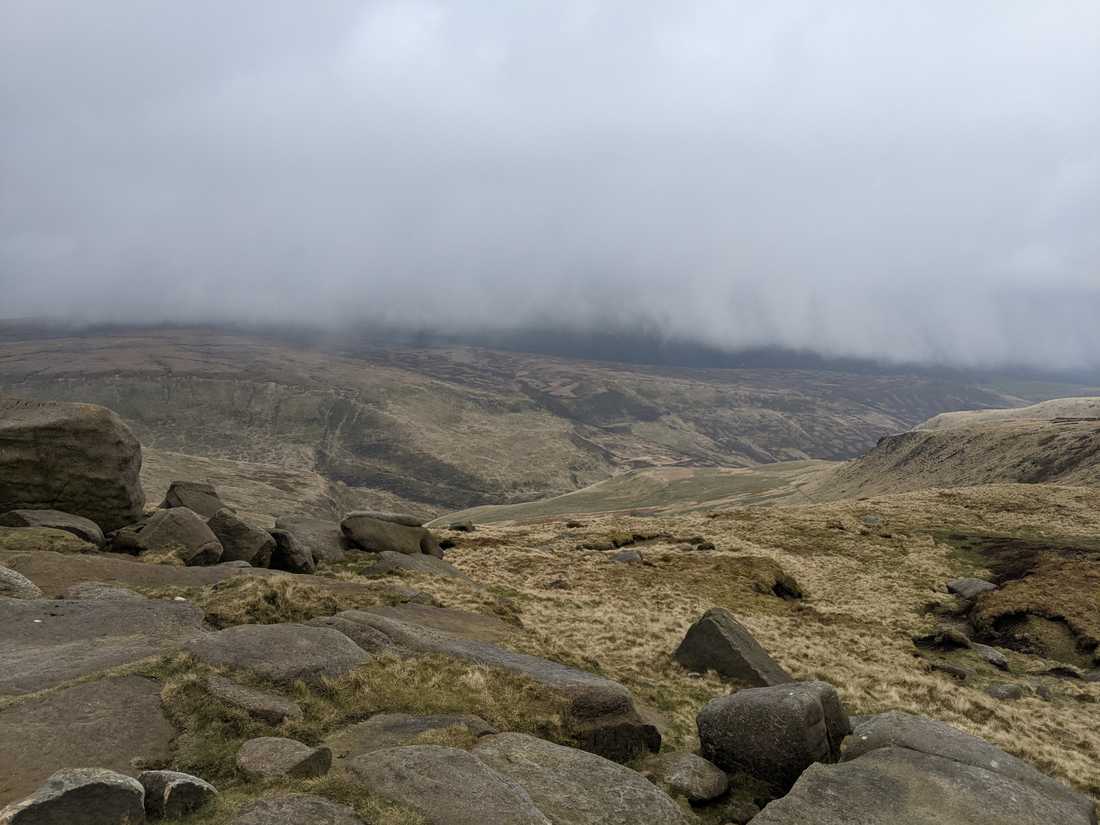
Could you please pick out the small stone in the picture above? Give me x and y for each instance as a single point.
(1005, 692)
(969, 588)
(686, 775)
(991, 655)
(170, 794)
(269, 757)
(627, 557)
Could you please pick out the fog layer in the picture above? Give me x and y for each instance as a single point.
(914, 182)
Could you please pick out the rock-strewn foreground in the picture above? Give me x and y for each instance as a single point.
(791, 665)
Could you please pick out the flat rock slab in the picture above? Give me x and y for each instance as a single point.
(107, 723)
(456, 622)
(391, 563)
(47, 642)
(83, 528)
(573, 787)
(391, 730)
(284, 653)
(446, 786)
(896, 785)
(268, 707)
(295, 809)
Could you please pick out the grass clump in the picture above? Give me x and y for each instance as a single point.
(272, 600)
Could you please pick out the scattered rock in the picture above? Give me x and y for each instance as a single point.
(83, 528)
(774, 733)
(686, 775)
(270, 757)
(170, 794)
(76, 458)
(369, 531)
(391, 730)
(283, 653)
(267, 707)
(1005, 692)
(322, 539)
(241, 541)
(969, 588)
(197, 496)
(295, 809)
(15, 585)
(446, 786)
(718, 642)
(113, 723)
(390, 563)
(573, 787)
(990, 655)
(178, 531)
(289, 555)
(628, 557)
(81, 796)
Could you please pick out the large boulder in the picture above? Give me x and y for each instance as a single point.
(77, 458)
(295, 809)
(289, 554)
(81, 796)
(687, 775)
(718, 642)
(15, 585)
(271, 757)
(368, 530)
(573, 787)
(446, 786)
(774, 733)
(82, 528)
(47, 642)
(283, 653)
(241, 541)
(171, 794)
(324, 540)
(178, 532)
(197, 496)
(112, 723)
(892, 785)
(600, 714)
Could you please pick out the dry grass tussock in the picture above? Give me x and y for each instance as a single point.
(867, 582)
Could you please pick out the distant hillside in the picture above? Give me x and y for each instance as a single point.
(1055, 442)
(443, 428)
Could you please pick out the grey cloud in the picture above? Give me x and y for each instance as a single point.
(916, 181)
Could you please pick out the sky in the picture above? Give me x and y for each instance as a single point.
(871, 179)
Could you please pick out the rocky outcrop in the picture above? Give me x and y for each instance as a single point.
(718, 642)
(283, 653)
(295, 809)
(81, 796)
(324, 540)
(15, 585)
(446, 786)
(177, 532)
(241, 541)
(171, 794)
(572, 787)
(76, 458)
(197, 496)
(271, 757)
(374, 531)
(774, 733)
(290, 555)
(82, 528)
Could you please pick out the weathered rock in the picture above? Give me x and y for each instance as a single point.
(1005, 692)
(241, 541)
(46, 642)
(114, 723)
(600, 713)
(991, 655)
(893, 785)
(324, 540)
(389, 563)
(77, 458)
(100, 590)
(455, 622)
(446, 786)
(283, 653)
(289, 555)
(687, 775)
(928, 736)
(83, 528)
(170, 794)
(268, 707)
(15, 585)
(573, 787)
(391, 730)
(295, 809)
(969, 588)
(180, 532)
(81, 796)
(197, 496)
(629, 556)
(369, 639)
(369, 532)
(404, 519)
(773, 733)
(270, 757)
(718, 642)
